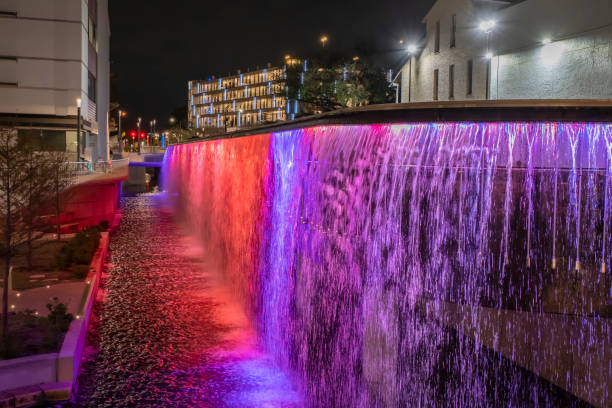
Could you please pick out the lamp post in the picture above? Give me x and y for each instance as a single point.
(412, 49)
(487, 27)
(78, 103)
(150, 133)
(138, 135)
(119, 138)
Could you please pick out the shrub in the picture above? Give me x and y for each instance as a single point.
(80, 249)
(8, 346)
(82, 255)
(63, 259)
(81, 271)
(59, 318)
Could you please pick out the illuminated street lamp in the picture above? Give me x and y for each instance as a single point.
(487, 25)
(120, 114)
(546, 41)
(78, 103)
(323, 40)
(138, 134)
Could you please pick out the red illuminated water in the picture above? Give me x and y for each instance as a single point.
(168, 333)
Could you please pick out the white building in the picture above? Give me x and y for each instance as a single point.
(538, 49)
(51, 53)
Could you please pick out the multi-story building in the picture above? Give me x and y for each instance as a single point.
(53, 52)
(243, 100)
(521, 49)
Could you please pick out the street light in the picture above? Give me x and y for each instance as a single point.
(412, 49)
(78, 103)
(138, 134)
(547, 41)
(487, 27)
(150, 133)
(120, 114)
(323, 40)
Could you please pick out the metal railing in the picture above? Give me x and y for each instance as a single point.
(85, 168)
(151, 149)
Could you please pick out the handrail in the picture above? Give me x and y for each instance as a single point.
(83, 168)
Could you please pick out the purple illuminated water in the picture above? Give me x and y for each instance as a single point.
(450, 264)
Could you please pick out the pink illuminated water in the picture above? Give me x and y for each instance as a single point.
(168, 333)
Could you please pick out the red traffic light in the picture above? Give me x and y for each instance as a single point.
(133, 134)
(142, 135)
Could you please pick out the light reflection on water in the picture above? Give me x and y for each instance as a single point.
(168, 333)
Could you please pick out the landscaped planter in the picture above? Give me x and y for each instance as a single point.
(51, 377)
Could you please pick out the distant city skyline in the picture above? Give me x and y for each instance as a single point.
(154, 54)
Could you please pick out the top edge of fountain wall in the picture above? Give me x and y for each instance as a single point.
(577, 110)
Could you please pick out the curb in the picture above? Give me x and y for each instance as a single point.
(35, 394)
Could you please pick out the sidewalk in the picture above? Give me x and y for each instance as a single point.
(70, 294)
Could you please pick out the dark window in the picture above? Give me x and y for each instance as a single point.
(470, 69)
(451, 82)
(453, 31)
(437, 38)
(8, 13)
(91, 87)
(43, 140)
(92, 33)
(435, 85)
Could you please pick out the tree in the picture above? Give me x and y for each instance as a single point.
(14, 176)
(336, 83)
(35, 187)
(29, 181)
(59, 181)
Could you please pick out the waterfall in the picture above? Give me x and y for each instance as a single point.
(410, 264)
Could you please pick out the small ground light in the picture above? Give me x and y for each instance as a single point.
(48, 287)
(78, 316)
(546, 41)
(18, 294)
(36, 313)
(12, 306)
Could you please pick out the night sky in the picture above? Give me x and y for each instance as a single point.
(158, 45)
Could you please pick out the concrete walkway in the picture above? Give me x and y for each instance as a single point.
(71, 294)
